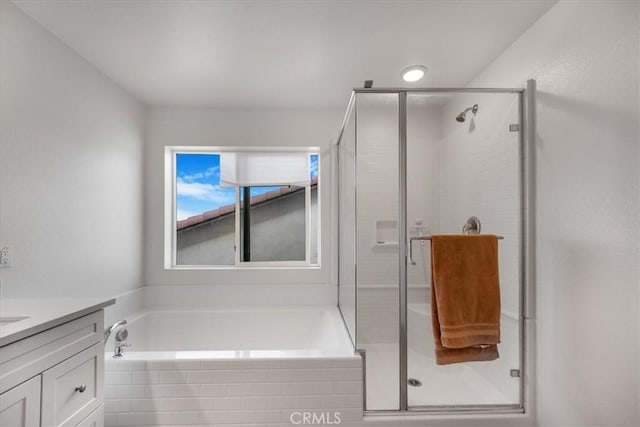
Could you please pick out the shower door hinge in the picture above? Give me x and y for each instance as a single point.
(514, 128)
(515, 373)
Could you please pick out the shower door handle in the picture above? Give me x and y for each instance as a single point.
(411, 261)
(411, 239)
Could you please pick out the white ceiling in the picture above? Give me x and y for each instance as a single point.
(281, 53)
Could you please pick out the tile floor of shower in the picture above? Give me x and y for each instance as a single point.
(441, 385)
(476, 383)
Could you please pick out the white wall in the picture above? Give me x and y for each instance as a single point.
(70, 169)
(584, 56)
(234, 127)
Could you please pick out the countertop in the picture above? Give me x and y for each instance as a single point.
(40, 314)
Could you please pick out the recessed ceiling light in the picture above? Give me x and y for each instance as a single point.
(413, 73)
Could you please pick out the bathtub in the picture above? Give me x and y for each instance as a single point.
(252, 367)
(237, 334)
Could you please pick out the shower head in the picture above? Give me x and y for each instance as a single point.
(463, 116)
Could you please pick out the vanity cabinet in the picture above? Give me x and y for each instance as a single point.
(20, 406)
(74, 388)
(56, 377)
(95, 419)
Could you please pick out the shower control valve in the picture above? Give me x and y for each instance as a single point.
(122, 335)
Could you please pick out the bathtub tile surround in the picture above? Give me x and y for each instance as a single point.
(251, 366)
(252, 392)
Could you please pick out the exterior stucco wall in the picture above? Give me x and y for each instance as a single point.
(277, 234)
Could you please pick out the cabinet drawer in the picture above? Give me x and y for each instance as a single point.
(72, 389)
(95, 419)
(30, 356)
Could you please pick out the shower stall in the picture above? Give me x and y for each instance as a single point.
(412, 163)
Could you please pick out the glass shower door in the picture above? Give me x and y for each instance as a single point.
(413, 164)
(455, 170)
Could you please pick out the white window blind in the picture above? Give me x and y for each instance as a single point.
(254, 168)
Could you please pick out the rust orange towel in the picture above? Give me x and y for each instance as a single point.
(465, 297)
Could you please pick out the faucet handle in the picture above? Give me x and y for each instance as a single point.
(118, 350)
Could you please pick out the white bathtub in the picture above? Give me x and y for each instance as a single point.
(253, 367)
(230, 334)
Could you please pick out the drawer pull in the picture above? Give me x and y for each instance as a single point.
(82, 388)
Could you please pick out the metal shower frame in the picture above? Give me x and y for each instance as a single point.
(526, 116)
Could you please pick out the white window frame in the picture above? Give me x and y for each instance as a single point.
(170, 211)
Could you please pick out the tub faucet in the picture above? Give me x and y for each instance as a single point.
(119, 350)
(110, 329)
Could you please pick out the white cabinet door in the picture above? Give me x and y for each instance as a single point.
(71, 390)
(20, 406)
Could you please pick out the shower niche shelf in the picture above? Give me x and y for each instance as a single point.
(386, 232)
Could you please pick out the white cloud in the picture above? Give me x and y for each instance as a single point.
(215, 170)
(197, 190)
(207, 192)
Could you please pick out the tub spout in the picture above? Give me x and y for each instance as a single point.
(119, 350)
(110, 329)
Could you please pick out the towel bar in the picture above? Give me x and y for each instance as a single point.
(411, 239)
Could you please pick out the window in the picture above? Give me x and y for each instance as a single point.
(241, 207)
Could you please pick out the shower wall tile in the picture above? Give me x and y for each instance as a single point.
(377, 199)
(378, 312)
(480, 176)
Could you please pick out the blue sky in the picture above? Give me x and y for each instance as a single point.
(198, 184)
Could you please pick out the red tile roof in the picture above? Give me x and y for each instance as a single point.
(227, 210)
